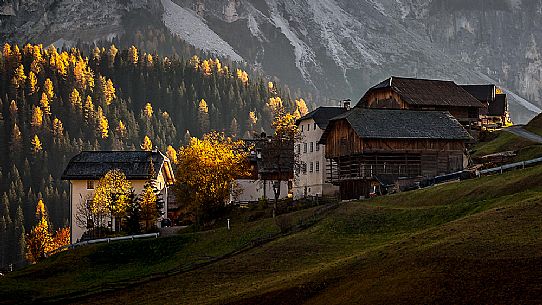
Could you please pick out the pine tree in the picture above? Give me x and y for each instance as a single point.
(20, 235)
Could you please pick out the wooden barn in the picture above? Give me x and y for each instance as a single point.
(424, 94)
(370, 148)
(495, 112)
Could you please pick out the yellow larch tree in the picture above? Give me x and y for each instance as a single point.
(88, 110)
(103, 124)
(58, 129)
(112, 53)
(75, 99)
(32, 82)
(121, 130)
(48, 89)
(109, 92)
(44, 103)
(147, 144)
(36, 145)
(171, 154)
(40, 240)
(19, 77)
(206, 68)
(133, 56)
(203, 116)
(302, 107)
(148, 110)
(37, 117)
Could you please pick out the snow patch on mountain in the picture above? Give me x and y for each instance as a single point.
(195, 31)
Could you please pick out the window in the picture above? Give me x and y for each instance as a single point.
(317, 147)
(301, 128)
(311, 167)
(312, 146)
(317, 166)
(308, 127)
(314, 127)
(90, 184)
(304, 168)
(305, 148)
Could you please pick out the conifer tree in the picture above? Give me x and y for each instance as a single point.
(44, 103)
(147, 144)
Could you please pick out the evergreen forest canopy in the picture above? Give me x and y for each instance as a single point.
(54, 104)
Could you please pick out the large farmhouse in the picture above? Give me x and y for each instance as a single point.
(86, 168)
(311, 176)
(424, 94)
(371, 148)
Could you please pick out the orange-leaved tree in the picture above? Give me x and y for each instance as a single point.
(206, 170)
(40, 240)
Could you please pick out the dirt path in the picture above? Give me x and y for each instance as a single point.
(519, 131)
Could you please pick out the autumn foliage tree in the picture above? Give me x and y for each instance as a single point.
(147, 203)
(40, 241)
(206, 169)
(112, 196)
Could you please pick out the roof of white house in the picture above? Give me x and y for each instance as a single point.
(136, 165)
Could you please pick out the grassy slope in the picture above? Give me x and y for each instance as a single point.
(535, 125)
(506, 141)
(477, 241)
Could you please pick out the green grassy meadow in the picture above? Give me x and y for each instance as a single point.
(476, 241)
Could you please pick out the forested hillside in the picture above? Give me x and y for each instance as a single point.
(54, 104)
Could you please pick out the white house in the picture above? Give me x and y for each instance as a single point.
(85, 169)
(272, 169)
(311, 177)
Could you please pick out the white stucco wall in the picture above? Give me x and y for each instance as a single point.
(311, 183)
(253, 190)
(80, 193)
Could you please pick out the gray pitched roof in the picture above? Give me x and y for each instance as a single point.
(402, 124)
(428, 92)
(136, 165)
(321, 115)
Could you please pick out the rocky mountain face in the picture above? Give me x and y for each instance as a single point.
(338, 47)
(67, 21)
(342, 47)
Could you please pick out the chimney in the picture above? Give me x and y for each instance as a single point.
(347, 104)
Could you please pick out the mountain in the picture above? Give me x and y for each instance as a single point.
(338, 48)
